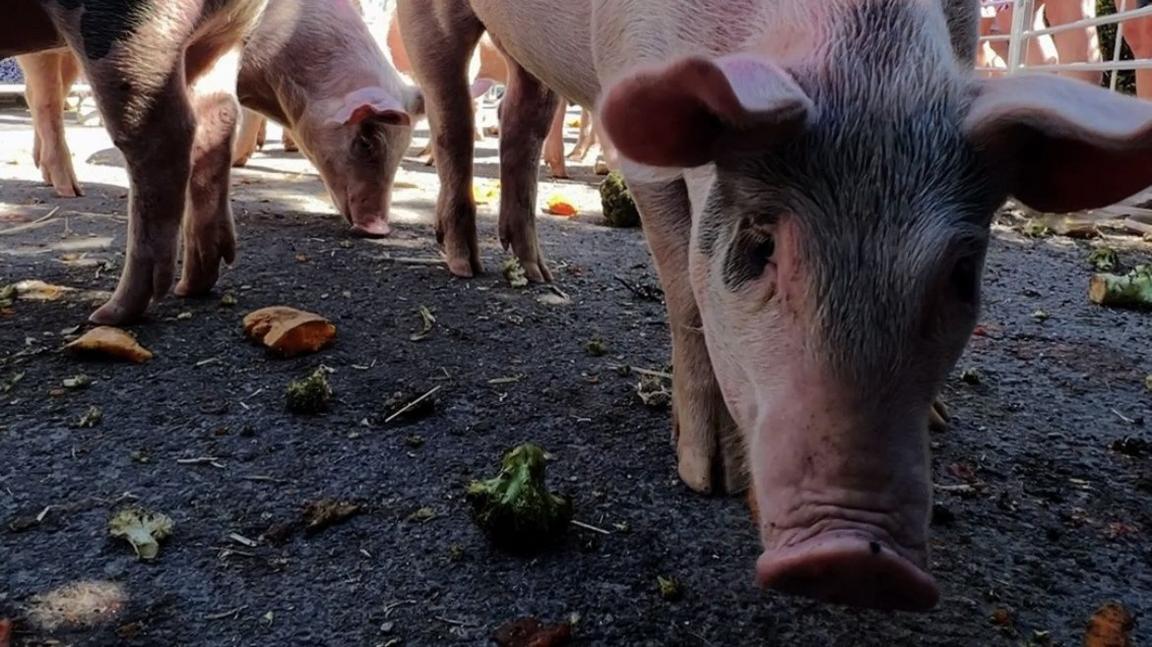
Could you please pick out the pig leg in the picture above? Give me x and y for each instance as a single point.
(248, 137)
(262, 134)
(289, 143)
(708, 445)
(554, 143)
(528, 108)
(608, 160)
(209, 237)
(587, 137)
(154, 128)
(440, 45)
(47, 82)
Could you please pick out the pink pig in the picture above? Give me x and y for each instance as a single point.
(166, 88)
(816, 181)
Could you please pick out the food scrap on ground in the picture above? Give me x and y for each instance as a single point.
(515, 509)
(654, 391)
(669, 588)
(141, 528)
(321, 514)
(514, 273)
(77, 605)
(289, 332)
(427, 322)
(561, 205)
(1132, 291)
(1104, 259)
(1110, 626)
(309, 395)
(93, 416)
(485, 192)
(106, 341)
(530, 632)
(619, 206)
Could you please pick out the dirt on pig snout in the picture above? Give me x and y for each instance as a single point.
(1038, 521)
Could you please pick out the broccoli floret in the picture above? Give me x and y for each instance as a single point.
(1104, 259)
(515, 509)
(142, 529)
(311, 394)
(619, 207)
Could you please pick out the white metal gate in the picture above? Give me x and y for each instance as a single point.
(1023, 18)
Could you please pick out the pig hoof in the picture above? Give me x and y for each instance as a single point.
(114, 313)
(461, 267)
(69, 191)
(938, 416)
(240, 162)
(600, 167)
(536, 271)
(849, 568)
(377, 229)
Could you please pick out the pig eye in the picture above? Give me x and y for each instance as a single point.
(751, 253)
(362, 147)
(965, 280)
(761, 252)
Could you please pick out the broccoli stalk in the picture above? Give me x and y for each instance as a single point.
(142, 529)
(1132, 290)
(515, 509)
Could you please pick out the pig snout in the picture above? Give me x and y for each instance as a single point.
(843, 510)
(367, 211)
(851, 563)
(843, 502)
(370, 225)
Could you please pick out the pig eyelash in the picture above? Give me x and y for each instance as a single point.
(752, 250)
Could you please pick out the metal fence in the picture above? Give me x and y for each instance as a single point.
(1024, 29)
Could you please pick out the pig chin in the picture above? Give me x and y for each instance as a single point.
(842, 502)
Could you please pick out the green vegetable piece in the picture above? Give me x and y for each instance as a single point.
(311, 394)
(1132, 291)
(619, 207)
(1104, 259)
(514, 273)
(515, 509)
(92, 417)
(669, 587)
(142, 529)
(596, 347)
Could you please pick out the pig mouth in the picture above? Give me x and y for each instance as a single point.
(367, 226)
(853, 565)
(372, 229)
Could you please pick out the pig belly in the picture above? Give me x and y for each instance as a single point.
(549, 39)
(27, 28)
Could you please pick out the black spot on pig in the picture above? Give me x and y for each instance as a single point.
(104, 23)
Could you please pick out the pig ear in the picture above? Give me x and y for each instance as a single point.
(689, 113)
(388, 115)
(1062, 145)
(371, 103)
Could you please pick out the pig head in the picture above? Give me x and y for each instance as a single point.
(314, 66)
(357, 143)
(841, 185)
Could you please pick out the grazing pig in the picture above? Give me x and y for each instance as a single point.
(816, 181)
(351, 109)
